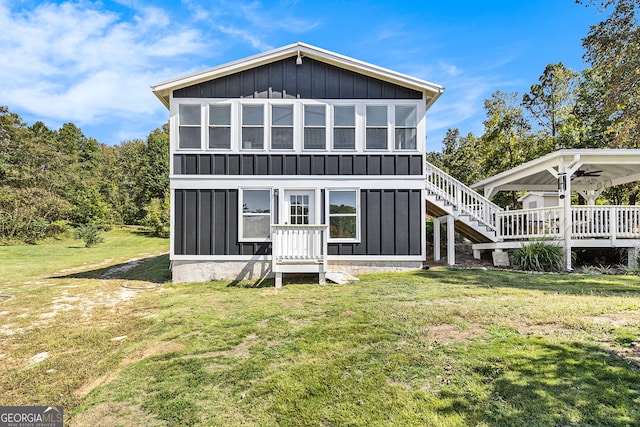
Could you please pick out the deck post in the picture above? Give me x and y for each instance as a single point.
(278, 280)
(451, 241)
(436, 239)
(632, 257)
(565, 194)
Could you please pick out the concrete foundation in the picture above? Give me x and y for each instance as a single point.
(204, 271)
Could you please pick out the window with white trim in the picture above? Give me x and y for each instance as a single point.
(406, 127)
(189, 127)
(255, 212)
(344, 127)
(220, 126)
(281, 127)
(252, 127)
(376, 132)
(343, 213)
(315, 127)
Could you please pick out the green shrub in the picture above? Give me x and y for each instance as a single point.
(90, 234)
(157, 217)
(538, 256)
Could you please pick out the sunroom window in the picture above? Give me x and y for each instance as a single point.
(315, 132)
(256, 214)
(376, 127)
(406, 131)
(252, 127)
(220, 126)
(189, 132)
(282, 127)
(344, 127)
(343, 214)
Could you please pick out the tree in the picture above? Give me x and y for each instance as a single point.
(459, 157)
(613, 50)
(551, 102)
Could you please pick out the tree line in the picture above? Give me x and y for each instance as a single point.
(51, 179)
(595, 108)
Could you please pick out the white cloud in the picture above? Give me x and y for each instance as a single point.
(74, 62)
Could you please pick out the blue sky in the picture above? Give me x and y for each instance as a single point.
(92, 62)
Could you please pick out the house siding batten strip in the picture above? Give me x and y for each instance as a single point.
(298, 164)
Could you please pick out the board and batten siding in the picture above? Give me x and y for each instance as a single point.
(297, 164)
(285, 79)
(206, 223)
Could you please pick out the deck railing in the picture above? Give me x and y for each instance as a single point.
(600, 221)
(463, 198)
(299, 244)
(530, 223)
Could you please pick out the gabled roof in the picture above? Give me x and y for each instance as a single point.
(589, 168)
(431, 91)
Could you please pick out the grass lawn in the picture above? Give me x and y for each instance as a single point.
(437, 348)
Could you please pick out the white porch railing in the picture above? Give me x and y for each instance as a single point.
(463, 198)
(601, 221)
(621, 222)
(529, 223)
(299, 244)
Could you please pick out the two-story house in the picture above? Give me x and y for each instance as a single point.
(296, 160)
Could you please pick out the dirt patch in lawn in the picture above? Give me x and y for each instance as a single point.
(446, 333)
(621, 318)
(113, 414)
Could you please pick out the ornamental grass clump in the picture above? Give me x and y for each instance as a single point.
(538, 256)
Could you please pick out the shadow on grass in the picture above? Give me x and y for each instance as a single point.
(571, 284)
(287, 279)
(153, 269)
(534, 382)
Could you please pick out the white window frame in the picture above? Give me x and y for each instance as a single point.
(209, 126)
(201, 126)
(241, 215)
(298, 124)
(389, 128)
(334, 127)
(357, 215)
(272, 126)
(395, 126)
(303, 126)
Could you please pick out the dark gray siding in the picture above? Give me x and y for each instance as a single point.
(297, 164)
(390, 223)
(206, 223)
(311, 80)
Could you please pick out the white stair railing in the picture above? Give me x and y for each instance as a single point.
(462, 198)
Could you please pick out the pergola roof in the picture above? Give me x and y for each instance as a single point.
(590, 169)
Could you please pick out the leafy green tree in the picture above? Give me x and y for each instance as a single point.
(551, 102)
(612, 48)
(90, 234)
(157, 216)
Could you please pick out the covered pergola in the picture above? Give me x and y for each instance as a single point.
(585, 171)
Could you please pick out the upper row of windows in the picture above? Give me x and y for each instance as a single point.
(289, 126)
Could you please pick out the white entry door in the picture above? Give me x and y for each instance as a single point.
(299, 207)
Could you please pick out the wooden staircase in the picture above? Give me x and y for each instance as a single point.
(475, 217)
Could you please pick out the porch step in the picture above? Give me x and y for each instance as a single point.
(340, 278)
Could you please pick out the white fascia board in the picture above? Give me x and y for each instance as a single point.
(431, 91)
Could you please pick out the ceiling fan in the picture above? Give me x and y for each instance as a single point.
(583, 173)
